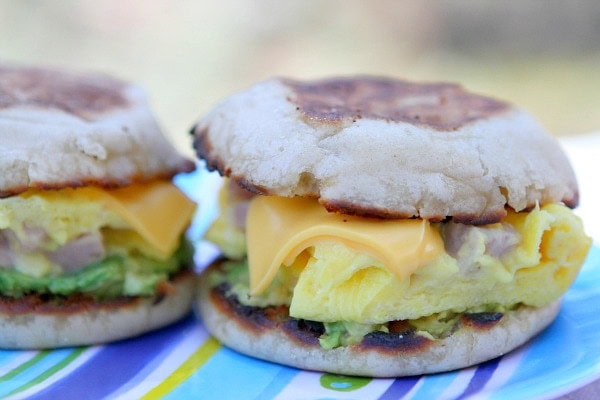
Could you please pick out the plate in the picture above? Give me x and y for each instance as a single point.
(183, 361)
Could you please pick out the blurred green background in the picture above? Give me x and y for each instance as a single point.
(542, 55)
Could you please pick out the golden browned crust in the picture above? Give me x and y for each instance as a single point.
(441, 106)
(86, 97)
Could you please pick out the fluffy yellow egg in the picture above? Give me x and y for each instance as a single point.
(339, 284)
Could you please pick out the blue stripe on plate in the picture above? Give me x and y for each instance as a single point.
(482, 376)
(433, 385)
(7, 356)
(230, 375)
(179, 333)
(569, 350)
(399, 388)
(114, 365)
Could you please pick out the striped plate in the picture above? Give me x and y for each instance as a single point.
(183, 361)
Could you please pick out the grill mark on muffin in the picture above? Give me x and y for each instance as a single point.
(490, 217)
(84, 96)
(304, 332)
(572, 201)
(481, 321)
(440, 106)
(45, 303)
(249, 186)
(204, 150)
(394, 343)
(402, 338)
(349, 208)
(258, 320)
(238, 191)
(254, 319)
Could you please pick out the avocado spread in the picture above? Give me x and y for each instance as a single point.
(134, 275)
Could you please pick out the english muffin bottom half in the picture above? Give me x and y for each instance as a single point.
(378, 227)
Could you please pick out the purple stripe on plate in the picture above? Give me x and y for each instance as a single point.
(114, 365)
(399, 388)
(482, 376)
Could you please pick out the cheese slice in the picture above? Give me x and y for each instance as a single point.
(158, 211)
(278, 229)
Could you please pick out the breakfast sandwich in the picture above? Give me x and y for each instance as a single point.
(92, 244)
(378, 227)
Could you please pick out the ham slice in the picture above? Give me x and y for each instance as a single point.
(73, 256)
(79, 252)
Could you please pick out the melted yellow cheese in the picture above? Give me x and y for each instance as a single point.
(158, 212)
(279, 229)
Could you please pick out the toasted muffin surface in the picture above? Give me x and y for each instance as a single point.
(61, 129)
(386, 148)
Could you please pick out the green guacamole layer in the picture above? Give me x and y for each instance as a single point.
(114, 276)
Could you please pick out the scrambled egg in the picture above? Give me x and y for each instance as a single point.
(338, 284)
(225, 231)
(530, 258)
(43, 221)
(61, 214)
